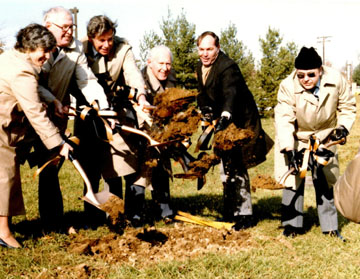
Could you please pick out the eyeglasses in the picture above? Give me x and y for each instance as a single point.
(303, 75)
(65, 28)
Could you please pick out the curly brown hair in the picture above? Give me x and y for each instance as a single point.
(34, 36)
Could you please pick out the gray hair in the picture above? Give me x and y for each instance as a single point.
(159, 49)
(53, 11)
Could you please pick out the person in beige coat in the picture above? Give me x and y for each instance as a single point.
(66, 72)
(112, 60)
(314, 101)
(20, 107)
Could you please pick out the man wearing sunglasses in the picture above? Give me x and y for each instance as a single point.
(314, 104)
(63, 74)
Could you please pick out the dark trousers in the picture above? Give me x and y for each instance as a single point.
(161, 190)
(235, 178)
(50, 198)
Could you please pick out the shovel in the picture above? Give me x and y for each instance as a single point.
(305, 162)
(99, 199)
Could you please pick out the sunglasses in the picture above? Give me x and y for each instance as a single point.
(302, 75)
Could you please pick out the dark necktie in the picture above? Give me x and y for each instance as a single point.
(56, 53)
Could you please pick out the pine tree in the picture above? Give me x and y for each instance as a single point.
(277, 62)
(237, 51)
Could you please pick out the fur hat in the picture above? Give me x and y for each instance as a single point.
(308, 59)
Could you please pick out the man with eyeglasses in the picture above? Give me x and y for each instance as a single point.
(315, 106)
(64, 73)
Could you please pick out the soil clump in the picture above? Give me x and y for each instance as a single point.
(170, 102)
(201, 166)
(231, 137)
(114, 206)
(265, 182)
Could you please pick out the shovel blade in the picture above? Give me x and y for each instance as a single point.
(101, 199)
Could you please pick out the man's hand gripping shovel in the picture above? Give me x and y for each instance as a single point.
(312, 155)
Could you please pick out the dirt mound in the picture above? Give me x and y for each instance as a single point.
(265, 182)
(142, 247)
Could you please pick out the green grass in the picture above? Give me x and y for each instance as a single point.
(267, 255)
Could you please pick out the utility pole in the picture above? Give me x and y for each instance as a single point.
(323, 40)
(75, 11)
(349, 71)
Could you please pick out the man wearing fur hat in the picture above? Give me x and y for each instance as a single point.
(315, 106)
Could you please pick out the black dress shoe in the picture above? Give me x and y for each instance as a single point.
(243, 222)
(4, 244)
(335, 233)
(290, 231)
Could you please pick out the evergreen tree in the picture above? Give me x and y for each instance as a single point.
(179, 35)
(150, 39)
(237, 51)
(277, 62)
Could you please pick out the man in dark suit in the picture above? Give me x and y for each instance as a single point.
(224, 95)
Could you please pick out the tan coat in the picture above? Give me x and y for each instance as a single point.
(121, 69)
(299, 115)
(19, 104)
(70, 63)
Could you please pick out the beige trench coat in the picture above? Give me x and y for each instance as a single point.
(299, 115)
(120, 65)
(19, 104)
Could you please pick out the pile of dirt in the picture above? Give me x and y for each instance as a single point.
(232, 136)
(265, 182)
(142, 247)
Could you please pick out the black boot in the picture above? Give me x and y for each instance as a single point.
(335, 233)
(243, 222)
(134, 205)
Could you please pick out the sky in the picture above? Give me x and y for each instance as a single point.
(300, 21)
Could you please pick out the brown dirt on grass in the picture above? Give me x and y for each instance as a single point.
(143, 247)
(265, 182)
(231, 137)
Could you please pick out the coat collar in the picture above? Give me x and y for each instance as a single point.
(27, 59)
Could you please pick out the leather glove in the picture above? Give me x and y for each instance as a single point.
(339, 133)
(207, 114)
(292, 161)
(222, 123)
